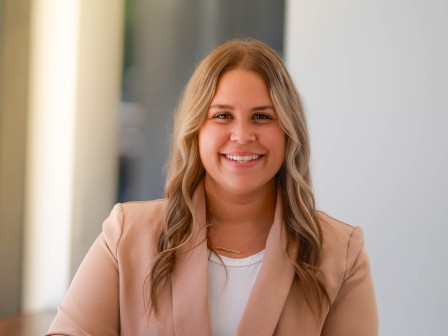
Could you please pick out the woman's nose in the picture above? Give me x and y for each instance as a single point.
(242, 133)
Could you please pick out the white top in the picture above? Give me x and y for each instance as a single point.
(228, 290)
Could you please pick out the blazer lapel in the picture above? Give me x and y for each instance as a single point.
(271, 288)
(189, 278)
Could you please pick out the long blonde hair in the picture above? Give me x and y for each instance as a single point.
(185, 169)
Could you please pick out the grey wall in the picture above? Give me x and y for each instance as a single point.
(374, 78)
(171, 36)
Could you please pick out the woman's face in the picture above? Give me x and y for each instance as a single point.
(241, 143)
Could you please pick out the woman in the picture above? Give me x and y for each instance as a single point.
(238, 246)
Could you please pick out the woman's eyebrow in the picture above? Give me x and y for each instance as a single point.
(229, 107)
(263, 108)
(221, 106)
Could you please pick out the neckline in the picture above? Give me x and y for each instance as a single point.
(236, 262)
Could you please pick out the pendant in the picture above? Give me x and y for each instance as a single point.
(228, 250)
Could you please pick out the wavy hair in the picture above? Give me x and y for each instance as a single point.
(185, 169)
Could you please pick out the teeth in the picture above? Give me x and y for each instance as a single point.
(245, 158)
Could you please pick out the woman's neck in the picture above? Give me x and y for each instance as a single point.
(240, 222)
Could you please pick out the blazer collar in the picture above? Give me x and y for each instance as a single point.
(189, 280)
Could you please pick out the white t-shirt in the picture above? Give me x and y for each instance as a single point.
(229, 288)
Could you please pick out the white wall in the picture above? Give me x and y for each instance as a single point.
(75, 66)
(374, 78)
(50, 143)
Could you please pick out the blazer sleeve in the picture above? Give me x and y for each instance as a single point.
(91, 306)
(354, 310)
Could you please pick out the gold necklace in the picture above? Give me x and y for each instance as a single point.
(226, 249)
(220, 248)
(210, 222)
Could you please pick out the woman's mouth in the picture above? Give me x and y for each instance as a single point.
(243, 158)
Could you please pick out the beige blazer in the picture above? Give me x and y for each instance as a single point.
(106, 296)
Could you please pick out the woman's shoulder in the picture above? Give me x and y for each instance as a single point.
(136, 212)
(342, 248)
(136, 223)
(333, 228)
(343, 258)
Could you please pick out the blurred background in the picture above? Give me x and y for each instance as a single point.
(87, 94)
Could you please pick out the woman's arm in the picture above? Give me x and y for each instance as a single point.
(91, 306)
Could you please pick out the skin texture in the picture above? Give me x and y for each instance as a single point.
(243, 124)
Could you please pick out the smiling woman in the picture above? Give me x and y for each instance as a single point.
(237, 247)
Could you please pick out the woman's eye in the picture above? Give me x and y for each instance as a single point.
(262, 116)
(222, 116)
